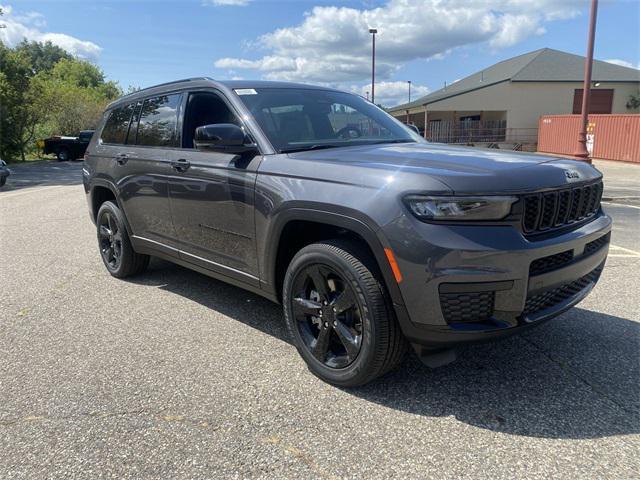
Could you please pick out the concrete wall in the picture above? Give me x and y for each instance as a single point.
(524, 102)
(529, 101)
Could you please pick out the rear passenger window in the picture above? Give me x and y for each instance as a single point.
(158, 122)
(115, 130)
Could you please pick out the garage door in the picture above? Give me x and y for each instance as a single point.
(601, 101)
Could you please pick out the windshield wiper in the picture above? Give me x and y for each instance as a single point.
(346, 144)
(395, 140)
(309, 147)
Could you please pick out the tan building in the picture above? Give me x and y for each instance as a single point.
(504, 102)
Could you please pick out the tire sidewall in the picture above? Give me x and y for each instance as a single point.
(63, 155)
(357, 371)
(126, 245)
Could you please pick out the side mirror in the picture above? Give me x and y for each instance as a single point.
(224, 137)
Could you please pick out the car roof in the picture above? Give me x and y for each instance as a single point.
(202, 82)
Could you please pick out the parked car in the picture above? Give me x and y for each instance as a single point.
(68, 148)
(371, 238)
(4, 172)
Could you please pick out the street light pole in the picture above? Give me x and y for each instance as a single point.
(408, 116)
(581, 152)
(373, 32)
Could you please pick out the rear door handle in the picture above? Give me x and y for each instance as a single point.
(181, 165)
(122, 158)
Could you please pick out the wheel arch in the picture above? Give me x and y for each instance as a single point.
(297, 227)
(102, 191)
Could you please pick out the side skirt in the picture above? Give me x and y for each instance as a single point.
(148, 247)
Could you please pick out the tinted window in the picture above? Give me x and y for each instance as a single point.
(297, 119)
(133, 126)
(85, 136)
(158, 121)
(115, 130)
(204, 108)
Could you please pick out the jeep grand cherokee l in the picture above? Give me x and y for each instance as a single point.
(372, 239)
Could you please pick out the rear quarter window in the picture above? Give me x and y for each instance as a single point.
(117, 125)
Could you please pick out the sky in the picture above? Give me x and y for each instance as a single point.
(428, 42)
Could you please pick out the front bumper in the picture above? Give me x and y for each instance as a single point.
(466, 284)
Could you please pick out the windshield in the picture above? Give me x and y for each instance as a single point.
(303, 119)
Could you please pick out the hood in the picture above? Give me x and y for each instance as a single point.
(462, 169)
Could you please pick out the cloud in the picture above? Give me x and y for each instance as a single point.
(30, 26)
(332, 44)
(623, 63)
(228, 3)
(391, 94)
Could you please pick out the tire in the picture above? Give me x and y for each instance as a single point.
(62, 155)
(3, 180)
(114, 245)
(347, 266)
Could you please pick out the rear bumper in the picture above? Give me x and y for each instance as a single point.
(469, 284)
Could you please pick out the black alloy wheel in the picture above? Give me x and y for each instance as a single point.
(339, 315)
(115, 246)
(110, 238)
(327, 315)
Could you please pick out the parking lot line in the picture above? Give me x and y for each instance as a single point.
(613, 204)
(27, 190)
(625, 252)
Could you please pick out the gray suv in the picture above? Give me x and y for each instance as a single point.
(373, 239)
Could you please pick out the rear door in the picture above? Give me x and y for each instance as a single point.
(141, 165)
(212, 196)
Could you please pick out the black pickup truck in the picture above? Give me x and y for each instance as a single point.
(68, 148)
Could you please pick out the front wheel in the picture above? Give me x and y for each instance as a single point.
(115, 247)
(339, 315)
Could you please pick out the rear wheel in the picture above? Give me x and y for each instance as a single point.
(338, 314)
(62, 155)
(115, 247)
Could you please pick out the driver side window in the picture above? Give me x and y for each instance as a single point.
(204, 108)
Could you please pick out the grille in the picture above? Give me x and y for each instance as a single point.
(550, 263)
(558, 295)
(596, 245)
(467, 307)
(545, 211)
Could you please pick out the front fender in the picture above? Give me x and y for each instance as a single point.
(335, 216)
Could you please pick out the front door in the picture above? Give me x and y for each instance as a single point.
(212, 197)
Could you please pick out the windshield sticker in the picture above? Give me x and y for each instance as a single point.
(245, 91)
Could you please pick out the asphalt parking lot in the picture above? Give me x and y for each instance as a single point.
(175, 375)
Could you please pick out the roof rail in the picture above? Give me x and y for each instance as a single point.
(167, 83)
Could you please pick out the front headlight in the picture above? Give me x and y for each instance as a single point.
(460, 208)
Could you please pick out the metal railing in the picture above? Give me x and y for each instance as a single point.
(479, 132)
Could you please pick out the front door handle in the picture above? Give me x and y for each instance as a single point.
(122, 158)
(181, 165)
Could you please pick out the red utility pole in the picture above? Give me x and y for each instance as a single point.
(373, 32)
(581, 152)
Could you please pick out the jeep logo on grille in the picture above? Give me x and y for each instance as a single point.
(571, 174)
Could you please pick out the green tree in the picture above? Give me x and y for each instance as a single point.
(634, 101)
(21, 107)
(45, 91)
(42, 56)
